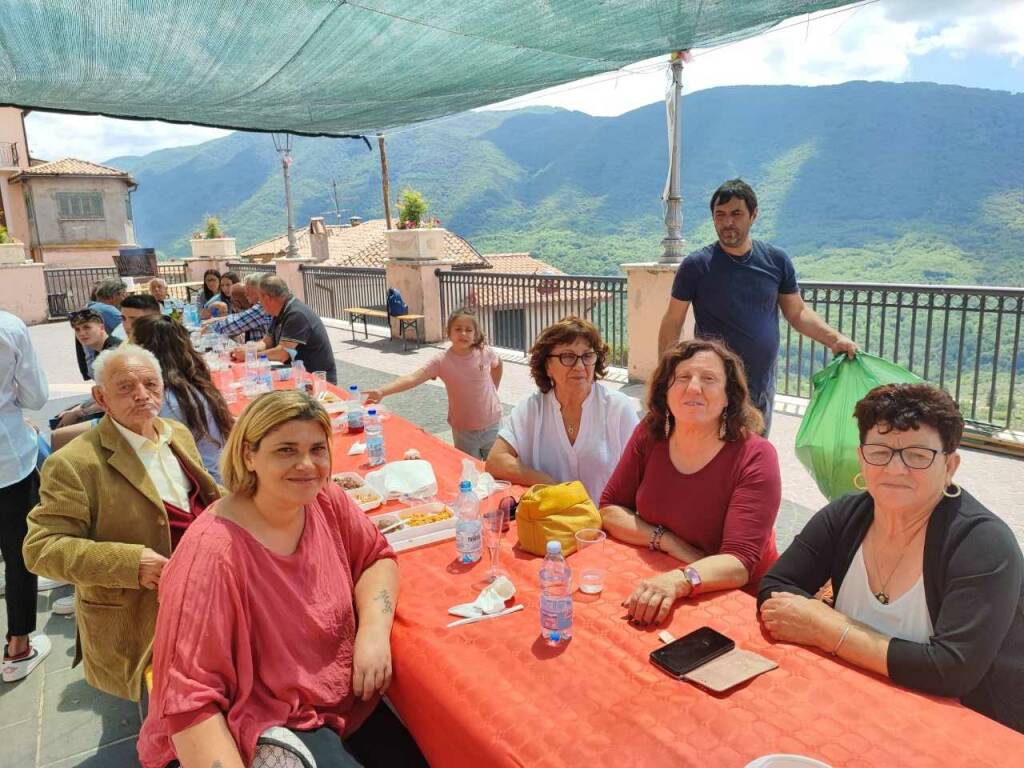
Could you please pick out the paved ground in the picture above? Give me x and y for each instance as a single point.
(53, 718)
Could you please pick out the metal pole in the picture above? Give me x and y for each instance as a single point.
(384, 179)
(673, 244)
(293, 250)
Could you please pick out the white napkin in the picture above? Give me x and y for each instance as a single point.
(483, 483)
(356, 449)
(414, 478)
(490, 600)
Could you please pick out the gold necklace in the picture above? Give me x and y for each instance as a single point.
(881, 595)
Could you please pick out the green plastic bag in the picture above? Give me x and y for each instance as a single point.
(827, 441)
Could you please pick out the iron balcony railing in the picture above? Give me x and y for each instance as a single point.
(172, 272)
(68, 289)
(966, 339)
(8, 154)
(329, 290)
(243, 268)
(513, 308)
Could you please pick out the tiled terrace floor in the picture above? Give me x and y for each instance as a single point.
(54, 719)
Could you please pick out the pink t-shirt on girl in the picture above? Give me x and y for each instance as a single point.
(472, 397)
(261, 638)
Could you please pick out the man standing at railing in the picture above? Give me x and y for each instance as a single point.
(737, 286)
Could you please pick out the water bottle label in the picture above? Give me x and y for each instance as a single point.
(469, 538)
(555, 613)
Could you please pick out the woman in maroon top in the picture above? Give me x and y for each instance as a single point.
(274, 629)
(696, 481)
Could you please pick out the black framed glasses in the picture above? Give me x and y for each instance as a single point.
(913, 457)
(569, 359)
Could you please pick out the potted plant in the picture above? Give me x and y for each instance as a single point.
(416, 237)
(211, 242)
(11, 251)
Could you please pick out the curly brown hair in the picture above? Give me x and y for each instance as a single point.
(906, 406)
(565, 331)
(740, 417)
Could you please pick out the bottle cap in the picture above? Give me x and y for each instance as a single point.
(465, 485)
(371, 411)
(554, 547)
(353, 387)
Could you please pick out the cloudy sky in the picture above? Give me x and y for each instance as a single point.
(976, 43)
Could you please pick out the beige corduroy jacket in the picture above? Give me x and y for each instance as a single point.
(98, 508)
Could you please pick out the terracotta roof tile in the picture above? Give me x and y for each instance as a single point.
(70, 166)
(520, 263)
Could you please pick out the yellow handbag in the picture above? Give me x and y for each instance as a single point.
(554, 513)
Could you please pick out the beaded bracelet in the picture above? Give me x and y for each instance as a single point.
(656, 534)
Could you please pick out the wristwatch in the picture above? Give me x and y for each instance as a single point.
(693, 579)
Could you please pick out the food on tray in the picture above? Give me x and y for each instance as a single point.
(328, 397)
(411, 454)
(426, 518)
(387, 522)
(348, 482)
(365, 497)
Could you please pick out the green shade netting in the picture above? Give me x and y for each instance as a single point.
(334, 67)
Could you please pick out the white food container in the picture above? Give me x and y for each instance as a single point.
(409, 536)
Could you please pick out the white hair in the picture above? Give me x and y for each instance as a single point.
(253, 279)
(122, 352)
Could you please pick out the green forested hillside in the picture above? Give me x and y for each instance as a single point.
(861, 181)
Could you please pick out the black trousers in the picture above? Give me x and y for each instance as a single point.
(16, 501)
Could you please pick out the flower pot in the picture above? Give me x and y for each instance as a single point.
(12, 253)
(214, 248)
(416, 244)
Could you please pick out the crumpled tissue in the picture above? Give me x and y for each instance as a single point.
(491, 600)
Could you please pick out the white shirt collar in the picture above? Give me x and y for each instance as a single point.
(140, 443)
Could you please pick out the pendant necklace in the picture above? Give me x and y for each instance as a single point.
(882, 595)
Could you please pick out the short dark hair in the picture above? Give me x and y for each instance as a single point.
(141, 301)
(565, 331)
(108, 288)
(902, 407)
(740, 418)
(735, 188)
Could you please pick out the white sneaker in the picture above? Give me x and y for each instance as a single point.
(64, 606)
(45, 584)
(19, 669)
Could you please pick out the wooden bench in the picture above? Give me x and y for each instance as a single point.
(405, 322)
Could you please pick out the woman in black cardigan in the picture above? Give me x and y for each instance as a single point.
(928, 583)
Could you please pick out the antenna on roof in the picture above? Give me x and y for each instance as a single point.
(337, 203)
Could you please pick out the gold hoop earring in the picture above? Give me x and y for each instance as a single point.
(862, 480)
(957, 490)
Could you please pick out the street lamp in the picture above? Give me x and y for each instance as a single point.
(283, 145)
(673, 244)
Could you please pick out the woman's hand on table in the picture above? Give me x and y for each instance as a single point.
(802, 620)
(238, 354)
(371, 663)
(654, 597)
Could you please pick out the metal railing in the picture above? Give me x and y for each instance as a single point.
(8, 154)
(966, 339)
(68, 289)
(172, 271)
(514, 308)
(243, 268)
(329, 290)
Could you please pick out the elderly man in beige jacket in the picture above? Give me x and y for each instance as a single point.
(113, 503)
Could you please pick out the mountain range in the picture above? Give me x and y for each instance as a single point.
(877, 182)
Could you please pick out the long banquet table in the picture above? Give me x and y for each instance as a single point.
(493, 694)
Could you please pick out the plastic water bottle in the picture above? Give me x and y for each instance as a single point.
(264, 374)
(555, 597)
(354, 414)
(191, 316)
(469, 527)
(374, 438)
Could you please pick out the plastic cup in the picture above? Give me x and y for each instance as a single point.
(319, 382)
(589, 561)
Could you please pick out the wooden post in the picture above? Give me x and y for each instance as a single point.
(384, 179)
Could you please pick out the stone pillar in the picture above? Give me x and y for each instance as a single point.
(318, 244)
(288, 270)
(194, 267)
(648, 289)
(416, 281)
(23, 291)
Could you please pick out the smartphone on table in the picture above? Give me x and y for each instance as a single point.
(691, 651)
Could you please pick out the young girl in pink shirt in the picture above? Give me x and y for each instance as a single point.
(471, 372)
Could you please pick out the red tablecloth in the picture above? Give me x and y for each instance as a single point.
(493, 694)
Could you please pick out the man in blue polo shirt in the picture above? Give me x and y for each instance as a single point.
(737, 286)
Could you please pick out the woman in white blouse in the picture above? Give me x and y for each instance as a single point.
(573, 428)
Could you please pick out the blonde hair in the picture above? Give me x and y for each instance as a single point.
(261, 417)
(478, 338)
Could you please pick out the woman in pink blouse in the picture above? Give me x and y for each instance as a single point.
(696, 481)
(273, 635)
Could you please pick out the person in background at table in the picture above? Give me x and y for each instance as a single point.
(928, 583)
(104, 299)
(471, 372)
(276, 611)
(696, 481)
(737, 286)
(221, 306)
(113, 504)
(158, 290)
(296, 331)
(22, 385)
(135, 306)
(92, 335)
(209, 293)
(572, 428)
(189, 393)
(249, 318)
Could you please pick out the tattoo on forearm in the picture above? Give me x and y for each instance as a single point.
(217, 764)
(385, 602)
